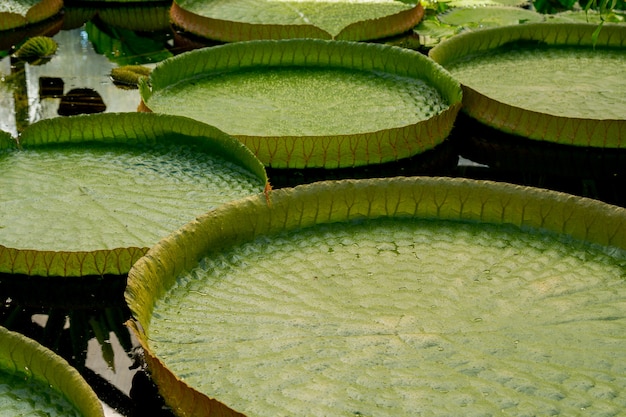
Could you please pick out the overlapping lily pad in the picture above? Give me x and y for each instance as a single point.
(243, 20)
(88, 195)
(391, 297)
(545, 81)
(36, 381)
(18, 13)
(311, 103)
(462, 17)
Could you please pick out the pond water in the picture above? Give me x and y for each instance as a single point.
(85, 325)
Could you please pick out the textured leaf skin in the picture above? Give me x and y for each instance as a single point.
(6, 140)
(129, 74)
(11, 20)
(322, 151)
(232, 31)
(139, 18)
(110, 128)
(39, 12)
(19, 353)
(37, 47)
(602, 133)
(137, 128)
(338, 201)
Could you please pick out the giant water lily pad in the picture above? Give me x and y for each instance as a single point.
(388, 297)
(311, 103)
(545, 81)
(88, 195)
(436, 28)
(242, 20)
(34, 381)
(18, 13)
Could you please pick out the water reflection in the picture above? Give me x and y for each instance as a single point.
(81, 72)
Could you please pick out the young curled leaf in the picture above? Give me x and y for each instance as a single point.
(37, 50)
(129, 75)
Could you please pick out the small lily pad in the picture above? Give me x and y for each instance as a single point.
(37, 50)
(362, 295)
(436, 28)
(36, 381)
(311, 103)
(483, 17)
(129, 74)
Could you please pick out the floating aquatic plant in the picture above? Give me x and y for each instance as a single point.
(238, 20)
(18, 13)
(129, 75)
(36, 381)
(37, 50)
(341, 296)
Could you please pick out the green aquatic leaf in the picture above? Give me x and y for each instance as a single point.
(239, 20)
(129, 74)
(18, 13)
(482, 17)
(137, 17)
(36, 381)
(88, 195)
(590, 16)
(483, 3)
(431, 31)
(572, 90)
(37, 49)
(438, 27)
(311, 103)
(344, 296)
(6, 140)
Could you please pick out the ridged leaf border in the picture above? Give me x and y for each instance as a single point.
(454, 199)
(111, 128)
(24, 356)
(38, 13)
(232, 31)
(602, 133)
(336, 151)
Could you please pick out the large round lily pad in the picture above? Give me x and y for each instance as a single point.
(34, 381)
(389, 297)
(19, 13)
(311, 103)
(88, 195)
(243, 20)
(545, 81)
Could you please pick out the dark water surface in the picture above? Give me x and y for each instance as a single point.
(84, 320)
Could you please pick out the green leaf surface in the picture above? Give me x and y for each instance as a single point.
(483, 17)
(6, 140)
(590, 16)
(361, 296)
(18, 13)
(35, 381)
(238, 20)
(311, 103)
(572, 88)
(88, 195)
(37, 47)
(137, 17)
(483, 3)
(438, 27)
